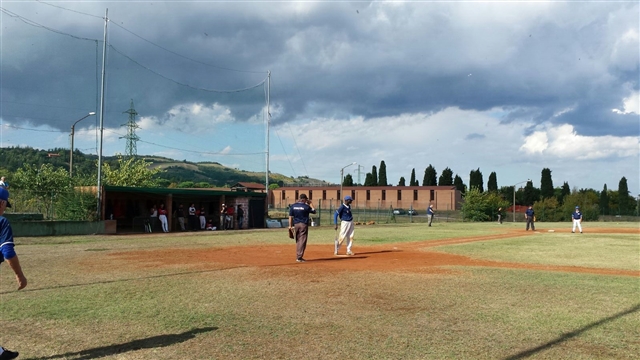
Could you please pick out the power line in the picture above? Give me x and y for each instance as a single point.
(35, 24)
(156, 45)
(186, 85)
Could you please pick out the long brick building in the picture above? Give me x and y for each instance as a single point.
(371, 197)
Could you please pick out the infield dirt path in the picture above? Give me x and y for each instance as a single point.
(405, 257)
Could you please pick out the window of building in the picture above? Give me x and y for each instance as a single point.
(384, 195)
(310, 194)
(284, 195)
(353, 195)
(399, 194)
(324, 194)
(368, 195)
(431, 195)
(415, 195)
(339, 195)
(296, 195)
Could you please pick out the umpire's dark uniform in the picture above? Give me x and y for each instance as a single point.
(299, 221)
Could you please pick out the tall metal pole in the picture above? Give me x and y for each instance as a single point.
(267, 139)
(104, 60)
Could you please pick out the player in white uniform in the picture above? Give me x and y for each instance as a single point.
(346, 225)
(577, 220)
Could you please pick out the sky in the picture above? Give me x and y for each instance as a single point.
(506, 87)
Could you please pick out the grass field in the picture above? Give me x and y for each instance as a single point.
(451, 291)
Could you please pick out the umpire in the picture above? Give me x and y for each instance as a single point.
(299, 223)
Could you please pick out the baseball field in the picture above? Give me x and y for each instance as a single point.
(451, 291)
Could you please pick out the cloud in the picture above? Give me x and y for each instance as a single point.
(563, 142)
(631, 104)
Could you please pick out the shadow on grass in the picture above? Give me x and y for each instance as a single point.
(117, 349)
(572, 334)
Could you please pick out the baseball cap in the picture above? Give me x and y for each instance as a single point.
(4, 195)
(347, 198)
(577, 207)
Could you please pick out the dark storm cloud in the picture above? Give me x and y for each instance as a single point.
(327, 60)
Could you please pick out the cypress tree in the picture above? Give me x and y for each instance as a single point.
(382, 174)
(546, 184)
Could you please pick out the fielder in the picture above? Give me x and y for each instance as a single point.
(577, 220)
(346, 225)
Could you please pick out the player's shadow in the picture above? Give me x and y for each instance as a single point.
(360, 255)
(118, 349)
(570, 335)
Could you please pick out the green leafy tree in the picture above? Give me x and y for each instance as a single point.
(588, 202)
(430, 176)
(382, 174)
(131, 172)
(604, 201)
(546, 184)
(401, 182)
(186, 185)
(459, 184)
(446, 178)
(274, 186)
(374, 176)
(492, 184)
(548, 209)
(44, 184)
(77, 205)
(412, 180)
(624, 202)
(480, 206)
(348, 180)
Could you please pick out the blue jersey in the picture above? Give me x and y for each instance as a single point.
(529, 213)
(6, 240)
(344, 213)
(429, 210)
(300, 212)
(577, 215)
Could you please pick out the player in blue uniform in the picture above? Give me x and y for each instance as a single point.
(299, 223)
(577, 220)
(430, 213)
(8, 253)
(346, 225)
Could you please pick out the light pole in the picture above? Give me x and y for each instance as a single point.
(342, 179)
(514, 198)
(73, 127)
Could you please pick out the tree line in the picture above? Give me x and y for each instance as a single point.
(552, 203)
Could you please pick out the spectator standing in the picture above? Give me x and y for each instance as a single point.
(230, 214)
(193, 221)
(4, 183)
(240, 215)
(577, 220)
(180, 215)
(203, 219)
(346, 225)
(162, 215)
(8, 253)
(500, 215)
(299, 224)
(530, 216)
(430, 213)
(153, 218)
(223, 217)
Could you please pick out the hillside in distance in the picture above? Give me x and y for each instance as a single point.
(176, 172)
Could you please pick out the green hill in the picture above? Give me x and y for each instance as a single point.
(176, 173)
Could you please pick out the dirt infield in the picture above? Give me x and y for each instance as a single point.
(405, 257)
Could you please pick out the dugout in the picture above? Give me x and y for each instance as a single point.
(130, 206)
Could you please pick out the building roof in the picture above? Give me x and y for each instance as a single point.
(178, 191)
(249, 186)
